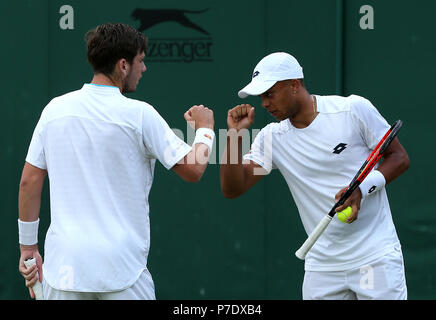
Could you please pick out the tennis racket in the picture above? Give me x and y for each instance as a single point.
(366, 168)
(37, 287)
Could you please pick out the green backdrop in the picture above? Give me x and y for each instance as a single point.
(204, 246)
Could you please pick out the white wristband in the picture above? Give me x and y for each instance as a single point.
(206, 136)
(373, 182)
(28, 232)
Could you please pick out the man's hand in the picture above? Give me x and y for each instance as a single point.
(353, 201)
(240, 117)
(200, 117)
(29, 275)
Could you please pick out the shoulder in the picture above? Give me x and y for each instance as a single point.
(58, 104)
(149, 117)
(359, 102)
(333, 104)
(361, 107)
(146, 109)
(70, 96)
(277, 128)
(66, 99)
(336, 104)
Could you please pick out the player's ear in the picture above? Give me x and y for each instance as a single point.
(295, 85)
(123, 67)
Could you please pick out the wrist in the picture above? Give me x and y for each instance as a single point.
(232, 131)
(373, 182)
(235, 131)
(28, 233)
(206, 136)
(28, 251)
(205, 125)
(33, 247)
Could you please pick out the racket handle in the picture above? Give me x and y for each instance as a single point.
(310, 241)
(37, 287)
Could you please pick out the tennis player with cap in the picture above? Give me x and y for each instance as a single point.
(318, 144)
(99, 149)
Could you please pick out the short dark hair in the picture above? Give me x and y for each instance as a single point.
(110, 42)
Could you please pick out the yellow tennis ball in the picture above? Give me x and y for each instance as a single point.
(344, 214)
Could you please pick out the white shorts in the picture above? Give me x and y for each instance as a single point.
(142, 289)
(382, 279)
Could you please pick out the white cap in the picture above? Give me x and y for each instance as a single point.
(274, 67)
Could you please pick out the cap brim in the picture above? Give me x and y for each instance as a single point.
(255, 88)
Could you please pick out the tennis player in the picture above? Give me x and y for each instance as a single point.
(99, 150)
(319, 144)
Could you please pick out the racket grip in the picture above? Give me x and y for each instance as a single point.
(310, 241)
(37, 287)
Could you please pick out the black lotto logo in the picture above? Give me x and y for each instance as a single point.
(372, 189)
(180, 50)
(339, 148)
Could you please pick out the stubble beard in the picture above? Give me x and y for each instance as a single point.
(129, 84)
(127, 88)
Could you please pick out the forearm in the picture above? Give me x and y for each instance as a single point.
(197, 159)
(232, 174)
(193, 165)
(395, 162)
(29, 204)
(29, 201)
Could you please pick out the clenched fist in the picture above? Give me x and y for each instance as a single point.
(240, 117)
(200, 117)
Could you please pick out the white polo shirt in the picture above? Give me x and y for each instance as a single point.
(317, 162)
(99, 149)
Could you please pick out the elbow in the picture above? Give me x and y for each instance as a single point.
(230, 194)
(229, 189)
(194, 176)
(189, 172)
(406, 162)
(26, 183)
(23, 184)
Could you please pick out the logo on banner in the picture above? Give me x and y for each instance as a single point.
(173, 48)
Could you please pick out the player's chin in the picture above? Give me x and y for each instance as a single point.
(279, 117)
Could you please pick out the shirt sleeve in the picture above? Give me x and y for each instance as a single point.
(160, 141)
(35, 155)
(261, 150)
(370, 122)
